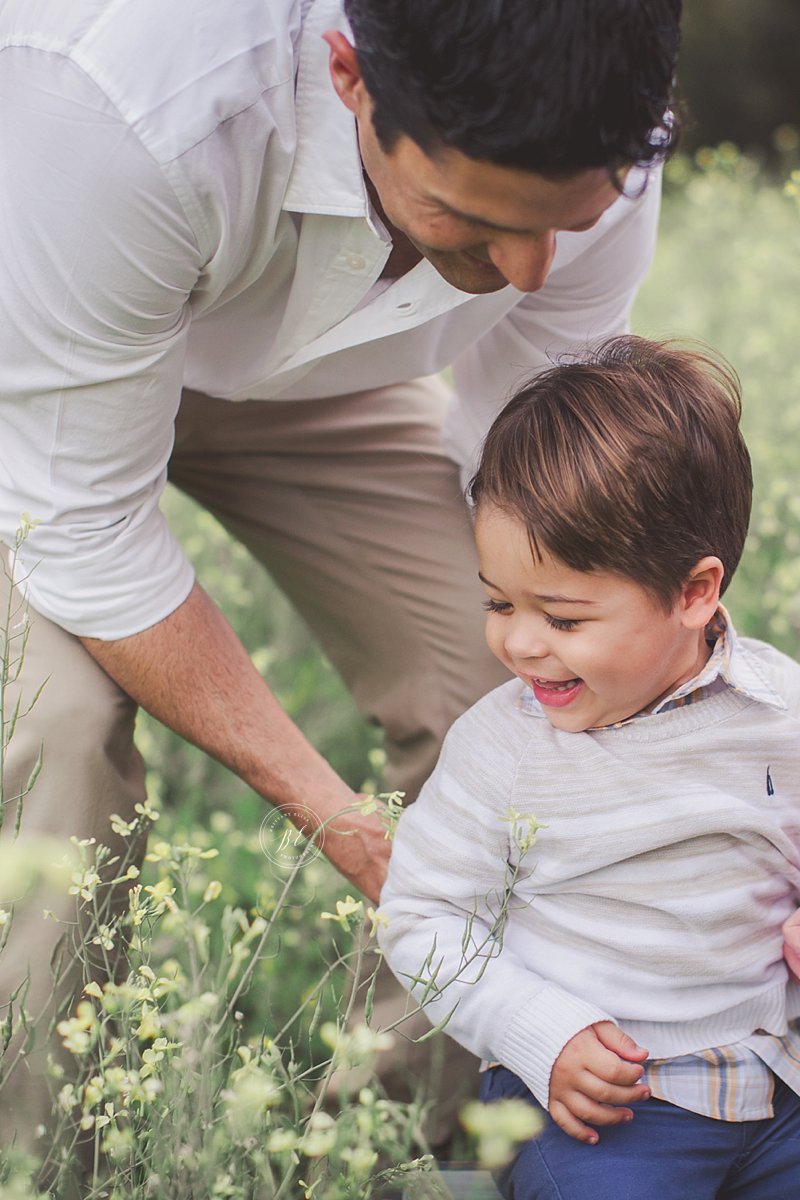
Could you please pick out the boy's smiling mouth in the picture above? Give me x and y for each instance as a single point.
(555, 692)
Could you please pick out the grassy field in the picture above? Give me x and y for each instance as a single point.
(255, 1028)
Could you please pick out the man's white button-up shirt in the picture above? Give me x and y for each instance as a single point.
(182, 204)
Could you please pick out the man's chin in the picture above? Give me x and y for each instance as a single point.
(466, 273)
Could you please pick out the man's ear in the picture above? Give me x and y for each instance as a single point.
(345, 72)
(700, 594)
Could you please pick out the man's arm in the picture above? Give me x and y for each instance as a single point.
(192, 672)
(94, 317)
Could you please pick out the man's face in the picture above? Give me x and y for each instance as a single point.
(482, 226)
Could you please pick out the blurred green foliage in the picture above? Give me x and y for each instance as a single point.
(737, 75)
(727, 271)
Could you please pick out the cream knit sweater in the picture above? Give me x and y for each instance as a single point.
(654, 895)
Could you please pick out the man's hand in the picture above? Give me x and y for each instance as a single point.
(597, 1072)
(356, 844)
(791, 943)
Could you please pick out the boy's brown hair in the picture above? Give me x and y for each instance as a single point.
(631, 462)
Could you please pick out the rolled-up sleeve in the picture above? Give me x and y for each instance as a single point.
(98, 264)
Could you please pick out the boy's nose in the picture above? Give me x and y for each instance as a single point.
(522, 644)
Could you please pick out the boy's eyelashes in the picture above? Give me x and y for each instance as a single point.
(560, 622)
(496, 606)
(503, 606)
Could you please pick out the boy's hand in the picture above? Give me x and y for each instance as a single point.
(597, 1071)
(791, 943)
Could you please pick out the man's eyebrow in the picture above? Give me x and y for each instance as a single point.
(475, 219)
(465, 216)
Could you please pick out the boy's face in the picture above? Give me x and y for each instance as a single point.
(594, 647)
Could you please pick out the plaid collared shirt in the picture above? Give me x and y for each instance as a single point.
(727, 1083)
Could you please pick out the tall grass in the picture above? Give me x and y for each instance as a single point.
(199, 1070)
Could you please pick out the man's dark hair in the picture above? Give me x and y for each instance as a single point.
(631, 463)
(544, 85)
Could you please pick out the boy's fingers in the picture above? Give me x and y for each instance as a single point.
(571, 1125)
(577, 1114)
(614, 1039)
(608, 1066)
(599, 1091)
(613, 1070)
(792, 960)
(791, 945)
(792, 922)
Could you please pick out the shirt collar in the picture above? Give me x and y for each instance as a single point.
(326, 175)
(730, 664)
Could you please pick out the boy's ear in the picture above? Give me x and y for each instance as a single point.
(700, 594)
(345, 71)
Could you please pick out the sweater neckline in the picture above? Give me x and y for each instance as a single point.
(675, 722)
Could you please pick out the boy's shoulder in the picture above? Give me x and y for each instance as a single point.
(506, 703)
(484, 749)
(501, 727)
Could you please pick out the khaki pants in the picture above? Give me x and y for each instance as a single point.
(357, 513)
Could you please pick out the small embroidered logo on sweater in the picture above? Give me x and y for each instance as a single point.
(770, 788)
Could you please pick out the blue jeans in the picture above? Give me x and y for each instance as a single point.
(665, 1153)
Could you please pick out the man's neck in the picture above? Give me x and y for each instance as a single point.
(404, 254)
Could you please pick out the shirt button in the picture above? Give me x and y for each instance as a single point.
(356, 262)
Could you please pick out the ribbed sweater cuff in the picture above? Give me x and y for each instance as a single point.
(540, 1031)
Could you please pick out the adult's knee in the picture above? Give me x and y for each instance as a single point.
(74, 733)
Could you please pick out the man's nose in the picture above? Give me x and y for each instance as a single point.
(523, 260)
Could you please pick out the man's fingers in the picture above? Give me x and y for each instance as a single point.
(613, 1038)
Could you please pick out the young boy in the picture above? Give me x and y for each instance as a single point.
(635, 952)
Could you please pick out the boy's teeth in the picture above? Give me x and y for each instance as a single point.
(557, 687)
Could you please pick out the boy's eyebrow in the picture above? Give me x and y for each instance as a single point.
(539, 596)
(561, 599)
